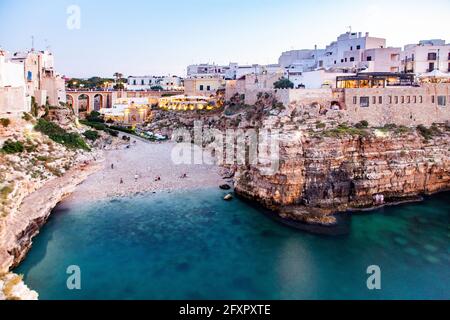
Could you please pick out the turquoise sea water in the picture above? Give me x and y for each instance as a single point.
(194, 245)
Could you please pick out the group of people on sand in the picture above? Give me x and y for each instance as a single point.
(158, 178)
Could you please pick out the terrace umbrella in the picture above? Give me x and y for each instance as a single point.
(435, 75)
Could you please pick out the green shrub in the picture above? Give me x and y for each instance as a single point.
(11, 147)
(428, 133)
(123, 129)
(283, 83)
(344, 130)
(70, 140)
(95, 116)
(5, 122)
(27, 117)
(362, 124)
(402, 130)
(320, 125)
(91, 135)
(5, 191)
(112, 132)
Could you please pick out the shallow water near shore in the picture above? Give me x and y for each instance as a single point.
(194, 245)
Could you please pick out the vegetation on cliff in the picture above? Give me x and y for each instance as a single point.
(69, 139)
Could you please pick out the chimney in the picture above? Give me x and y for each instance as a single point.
(359, 34)
(367, 34)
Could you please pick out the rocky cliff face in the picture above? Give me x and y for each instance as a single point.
(319, 175)
(325, 163)
(33, 179)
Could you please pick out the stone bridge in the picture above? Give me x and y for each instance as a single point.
(96, 100)
(93, 100)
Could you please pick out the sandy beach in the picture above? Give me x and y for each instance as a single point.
(147, 161)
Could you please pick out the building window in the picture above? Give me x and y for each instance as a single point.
(432, 56)
(134, 82)
(374, 100)
(358, 47)
(345, 59)
(30, 76)
(380, 100)
(430, 66)
(364, 102)
(142, 82)
(408, 99)
(342, 60)
(442, 101)
(351, 48)
(402, 99)
(390, 99)
(414, 99)
(420, 99)
(352, 59)
(201, 87)
(355, 100)
(432, 99)
(208, 88)
(369, 58)
(396, 99)
(336, 62)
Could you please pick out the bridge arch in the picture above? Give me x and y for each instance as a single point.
(84, 102)
(99, 102)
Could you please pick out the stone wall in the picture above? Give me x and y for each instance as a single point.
(408, 106)
(13, 102)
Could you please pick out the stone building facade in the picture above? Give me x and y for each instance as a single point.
(408, 106)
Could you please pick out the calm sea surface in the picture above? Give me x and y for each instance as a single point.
(194, 245)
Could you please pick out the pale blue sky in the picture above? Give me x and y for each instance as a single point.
(138, 37)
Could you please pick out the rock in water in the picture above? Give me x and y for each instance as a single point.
(228, 197)
(225, 187)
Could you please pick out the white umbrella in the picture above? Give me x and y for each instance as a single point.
(435, 74)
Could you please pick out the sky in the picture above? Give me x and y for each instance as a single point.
(149, 37)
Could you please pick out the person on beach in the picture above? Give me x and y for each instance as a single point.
(184, 176)
(112, 166)
(136, 177)
(121, 181)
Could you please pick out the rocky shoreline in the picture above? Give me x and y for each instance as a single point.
(20, 229)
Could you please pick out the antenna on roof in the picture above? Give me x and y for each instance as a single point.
(32, 43)
(47, 46)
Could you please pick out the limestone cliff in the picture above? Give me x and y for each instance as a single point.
(320, 174)
(35, 174)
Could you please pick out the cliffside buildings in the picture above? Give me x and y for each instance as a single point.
(42, 81)
(142, 83)
(14, 98)
(427, 56)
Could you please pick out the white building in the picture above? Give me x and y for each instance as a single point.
(351, 52)
(42, 81)
(317, 79)
(205, 69)
(141, 83)
(231, 72)
(14, 99)
(426, 56)
(301, 60)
